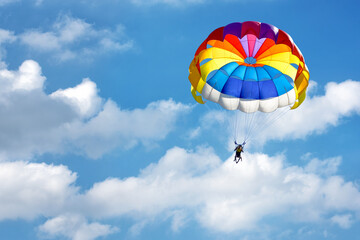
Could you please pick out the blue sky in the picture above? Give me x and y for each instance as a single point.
(100, 137)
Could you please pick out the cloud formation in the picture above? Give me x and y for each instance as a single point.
(30, 190)
(74, 119)
(5, 37)
(318, 113)
(75, 227)
(224, 197)
(71, 38)
(344, 221)
(183, 185)
(5, 2)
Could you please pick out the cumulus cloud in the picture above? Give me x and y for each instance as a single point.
(6, 36)
(75, 227)
(83, 97)
(5, 2)
(318, 113)
(344, 221)
(70, 38)
(74, 119)
(28, 78)
(113, 127)
(184, 185)
(223, 196)
(323, 167)
(29, 190)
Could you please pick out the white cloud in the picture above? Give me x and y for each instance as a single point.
(5, 2)
(75, 227)
(75, 119)
(83, 97)
(344, 221)
(69, 29)
(223, 197)
(28, 190)
(179, 219)
(317, 113)
(27, 78)
(6, 36)
(71, 38)
(113, 127)
(182, 186)
(47, 41)
(194, 133)
(324, 167)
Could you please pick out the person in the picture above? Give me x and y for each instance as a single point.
(239, 149)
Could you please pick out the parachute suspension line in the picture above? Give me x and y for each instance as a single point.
(234, 125)
(261, 121)
(252, 117)
(249, 118)
(270, 121)
(246, 119)
(267, 121)
(242, 123)
(237, 113)
(245, 128)
(251, 126)
(271, 118)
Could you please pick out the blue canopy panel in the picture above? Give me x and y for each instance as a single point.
(250, 74)
(267, 89)
(250, 90)
(262, 74)
(282, 85)
(233, 86)
(218, 80)
(239, 72)
(250, 82)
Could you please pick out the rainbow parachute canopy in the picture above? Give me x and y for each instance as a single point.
(249, 66)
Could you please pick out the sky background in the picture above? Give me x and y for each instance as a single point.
(100, 137)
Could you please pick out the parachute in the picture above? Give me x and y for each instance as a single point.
(249, 67)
